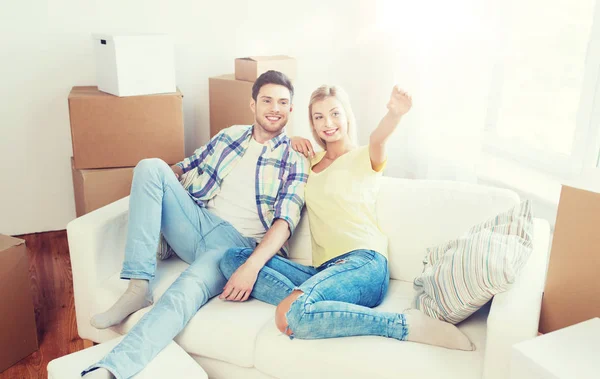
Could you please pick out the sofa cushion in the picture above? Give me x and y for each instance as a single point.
(417, 214)
(370, 356)
(220, 330)
(462, 275)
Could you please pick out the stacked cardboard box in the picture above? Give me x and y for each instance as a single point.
(111, 134)
(230, 95)
(136, 112)
(18, 334)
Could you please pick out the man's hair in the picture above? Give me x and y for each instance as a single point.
(272, 77)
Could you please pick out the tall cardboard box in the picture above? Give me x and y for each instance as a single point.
(95, 188)
(229, 101)
(18, 332)
(110, 131)
(572, 292)
(250, 68)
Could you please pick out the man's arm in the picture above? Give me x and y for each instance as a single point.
(199, 155)
(288, 207)
(240, 285)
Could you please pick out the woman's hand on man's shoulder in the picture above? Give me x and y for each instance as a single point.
(303, 146)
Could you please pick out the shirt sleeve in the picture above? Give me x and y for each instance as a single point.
(290, 199)
(200, 154)
(365, 157)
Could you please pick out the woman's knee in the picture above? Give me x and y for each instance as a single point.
(282, 310)
(233, 259)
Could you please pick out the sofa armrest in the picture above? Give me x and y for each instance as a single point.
(97, 248)
(514, 315)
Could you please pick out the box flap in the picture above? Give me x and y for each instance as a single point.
(7, 242)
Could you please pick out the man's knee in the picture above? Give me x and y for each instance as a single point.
(150, 164)
(282, 310)
(233, 259)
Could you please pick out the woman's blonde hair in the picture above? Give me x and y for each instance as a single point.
(321, 94)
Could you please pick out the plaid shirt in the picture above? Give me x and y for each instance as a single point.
(280, 177)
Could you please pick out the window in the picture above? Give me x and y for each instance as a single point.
(541, 107)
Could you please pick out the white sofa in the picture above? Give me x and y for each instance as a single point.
(240, 340)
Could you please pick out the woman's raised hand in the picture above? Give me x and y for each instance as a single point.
(400, 102)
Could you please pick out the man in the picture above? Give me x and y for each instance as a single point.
(247, 189)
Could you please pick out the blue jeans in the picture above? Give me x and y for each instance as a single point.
(337, 296)
(159, 203)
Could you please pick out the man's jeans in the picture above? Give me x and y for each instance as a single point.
(338, 295)
(159, 203)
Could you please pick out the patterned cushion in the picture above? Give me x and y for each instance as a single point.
(462, 275)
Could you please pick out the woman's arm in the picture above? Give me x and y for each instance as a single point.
(303, 146)
(399, 104)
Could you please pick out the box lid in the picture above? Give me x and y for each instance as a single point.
(6, 242)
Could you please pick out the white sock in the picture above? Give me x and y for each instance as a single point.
(99, 373)
(135, 298)
(430, 331)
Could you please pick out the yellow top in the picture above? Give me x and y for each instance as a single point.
(341, 206)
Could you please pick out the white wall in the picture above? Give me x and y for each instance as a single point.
(47, 49)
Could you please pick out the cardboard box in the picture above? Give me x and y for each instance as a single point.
(95, 188)
(250, 68)
(18, 332)
(572, 292)
(229, 102)
(109, 131)
(134, 65)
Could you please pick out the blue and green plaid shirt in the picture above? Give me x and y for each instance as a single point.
(280, 178)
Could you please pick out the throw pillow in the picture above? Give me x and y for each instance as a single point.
(460, 276)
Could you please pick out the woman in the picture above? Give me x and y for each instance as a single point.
(349, 250)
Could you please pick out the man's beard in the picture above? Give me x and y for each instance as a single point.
(269, 130)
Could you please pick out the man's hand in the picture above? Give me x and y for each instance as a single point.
(400, 102)
(303, 146)
(240, 285)
(177, 170)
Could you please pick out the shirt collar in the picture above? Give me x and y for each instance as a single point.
(273, 143)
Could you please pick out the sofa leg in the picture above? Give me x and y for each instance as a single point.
(88, 343)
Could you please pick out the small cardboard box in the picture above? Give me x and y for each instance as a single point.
(250, 68)
(133, 65)
(95, 188)
(109, 131)
(229, 102)
(18, 331)
(572, 292)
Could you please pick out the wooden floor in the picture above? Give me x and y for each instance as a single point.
(52, 290)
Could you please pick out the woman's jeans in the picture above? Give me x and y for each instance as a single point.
(159, 203)
(337, 296)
